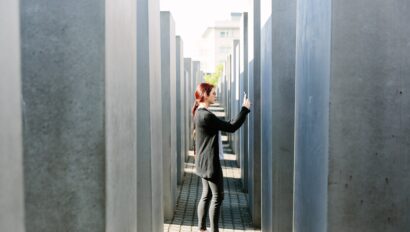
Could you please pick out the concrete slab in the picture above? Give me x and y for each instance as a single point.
(278, 81)
(235, 94)
(169, 112)
(149, 117)
(64, 137)
(197, 75)
(11, 144)
(267, 206)
(243, 87)
(189, 101)
(351, 117)
(228, 75)
(120, 116)
(254, 53)
(181, 109)
(79, 94)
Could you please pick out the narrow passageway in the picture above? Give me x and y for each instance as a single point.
(234, 212)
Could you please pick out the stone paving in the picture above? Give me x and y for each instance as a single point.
(234, 211)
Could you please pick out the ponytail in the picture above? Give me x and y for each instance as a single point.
(194, 107)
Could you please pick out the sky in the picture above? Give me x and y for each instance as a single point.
(192, 17)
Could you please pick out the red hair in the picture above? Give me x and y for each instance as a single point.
(200, 94)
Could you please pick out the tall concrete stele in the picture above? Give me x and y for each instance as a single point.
(181, 109)
(169, 112)
(225, 91)
(352, 124)
(235, 95)
(150, 154)
(278, 30)
(11, 150)
(87, 134)
(243, 87)
(254, 122)
(79, 117)
(189, 102)
(197, 75)
(228, 77)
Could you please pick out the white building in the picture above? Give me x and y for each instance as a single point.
(216, 42)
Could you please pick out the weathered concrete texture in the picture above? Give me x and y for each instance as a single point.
(169, 111)
(228, 74)
(149, 118)
(64, 115)
(278, 81)
(201, 76)
(352, 117)
(266, 116)
(196, 72)
(369, 117)
(235, 92)
(180, 109)
(243, 86)
(229, 79)
(311, 117)
(254, 152)
(11, 168)
(222, 89)
(189, 102)
(79, 111)
(120, 116)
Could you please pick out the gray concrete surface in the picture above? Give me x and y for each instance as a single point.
(120, 117)
(352, 116)
(311, 116)
(266, 116)
(180, 109)
(283, 107)
(369, 116)
(228, 75)
(222, 88)
(228, 104)
(235, 94)
(63, 86)
(254, 127)
(186, 112)
(196, 72)
(278, 81)
(11, 153)
(149, 117)
(169, 112)
(243, 86)
(79, 111)
(189, 102)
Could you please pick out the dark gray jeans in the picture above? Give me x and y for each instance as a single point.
(212, 192)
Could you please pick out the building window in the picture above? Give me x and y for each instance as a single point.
(222, 34)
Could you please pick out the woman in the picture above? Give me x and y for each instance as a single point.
(207, 164)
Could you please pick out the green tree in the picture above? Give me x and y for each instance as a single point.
(214, 77)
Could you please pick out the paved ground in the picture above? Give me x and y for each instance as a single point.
(234, 212)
